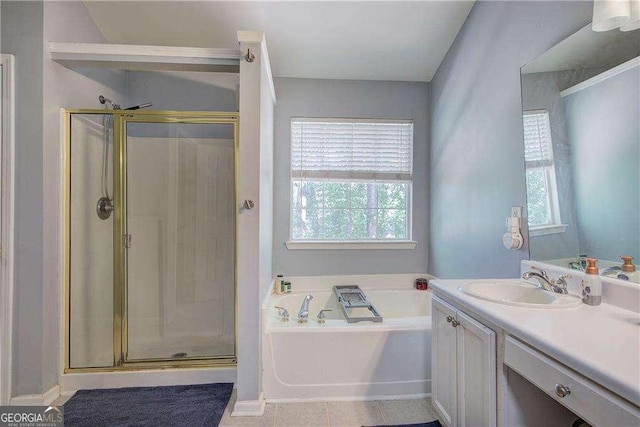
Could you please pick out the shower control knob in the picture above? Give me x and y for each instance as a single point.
(449, 319)
(455, 323)
(104, 207)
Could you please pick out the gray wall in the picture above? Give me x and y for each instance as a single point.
(348, 98)
(181, 91)
(42, 87)
(602, 121)
(22, 33)
(66, 21)
(477, 161)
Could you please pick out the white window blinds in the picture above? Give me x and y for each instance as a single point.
(352, 149)
(538, 148)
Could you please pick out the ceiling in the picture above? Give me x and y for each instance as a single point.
(389, 40)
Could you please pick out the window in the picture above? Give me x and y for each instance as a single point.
(351, 180)
(542, 191)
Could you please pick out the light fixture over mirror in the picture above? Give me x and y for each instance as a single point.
(580, 106)
(611, 14)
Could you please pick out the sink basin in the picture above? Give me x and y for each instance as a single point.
(518, 293)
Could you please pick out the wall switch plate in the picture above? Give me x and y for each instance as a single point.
(516, 211)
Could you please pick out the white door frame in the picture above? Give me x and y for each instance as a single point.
(7, 147)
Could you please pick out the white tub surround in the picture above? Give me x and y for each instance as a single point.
(341, 361)
(600, 346)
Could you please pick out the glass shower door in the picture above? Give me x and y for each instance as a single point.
(179, 291)
(89, 242)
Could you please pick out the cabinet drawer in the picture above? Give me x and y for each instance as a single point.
(587, 399)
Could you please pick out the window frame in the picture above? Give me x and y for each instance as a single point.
(554, 225)
(407, 243)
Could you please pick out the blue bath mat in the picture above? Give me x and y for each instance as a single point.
(185, 405)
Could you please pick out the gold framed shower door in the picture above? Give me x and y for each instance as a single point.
(120, 285)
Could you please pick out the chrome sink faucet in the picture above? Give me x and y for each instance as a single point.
(544, 282)
(303, 314)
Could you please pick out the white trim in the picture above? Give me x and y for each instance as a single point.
(141, 57)
(51, 395)
(545, 230)
(250, 36)
(70, 383)
(306, 245)
(44, 399)
(267, 64)
(258, 37)
(249, 408)
(534, 112)
(7, 167)
(302, 119)
(62, 161)
(632, 63)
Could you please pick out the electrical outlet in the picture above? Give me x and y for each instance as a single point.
(516, 211)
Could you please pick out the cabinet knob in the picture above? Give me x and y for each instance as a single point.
(561, 391)
(449, 319)
(455, 323)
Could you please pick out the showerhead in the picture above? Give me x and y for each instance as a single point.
(104, 100)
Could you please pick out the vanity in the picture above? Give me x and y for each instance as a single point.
(497, 364)
(506, 353)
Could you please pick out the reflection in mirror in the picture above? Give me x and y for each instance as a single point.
(580, 103)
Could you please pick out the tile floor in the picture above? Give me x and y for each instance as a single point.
(330, 414)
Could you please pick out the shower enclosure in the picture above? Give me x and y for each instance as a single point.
(150, 276)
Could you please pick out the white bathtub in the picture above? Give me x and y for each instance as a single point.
(342, 361)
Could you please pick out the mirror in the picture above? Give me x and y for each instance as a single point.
(581, 122)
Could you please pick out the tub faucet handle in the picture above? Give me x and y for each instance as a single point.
(321, 317)
(283, 313)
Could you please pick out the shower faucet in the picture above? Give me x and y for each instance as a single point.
(104, 100)
(303, 314)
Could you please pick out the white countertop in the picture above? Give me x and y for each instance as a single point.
(602, 342)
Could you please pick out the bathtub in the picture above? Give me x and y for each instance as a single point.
(342, 361)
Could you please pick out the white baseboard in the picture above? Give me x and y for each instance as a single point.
(249, 408)
(50, 396)
(72, 382)
(43, 399)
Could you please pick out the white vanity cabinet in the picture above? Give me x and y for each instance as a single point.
(463, 367)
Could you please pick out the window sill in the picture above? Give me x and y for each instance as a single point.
(305, 245)
(547, 229)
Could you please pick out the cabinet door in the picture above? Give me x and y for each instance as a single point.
(476, 349)
(443, 361)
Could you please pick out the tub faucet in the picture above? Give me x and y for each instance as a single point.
(615, 269)
(303, 314)
(543, 280)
